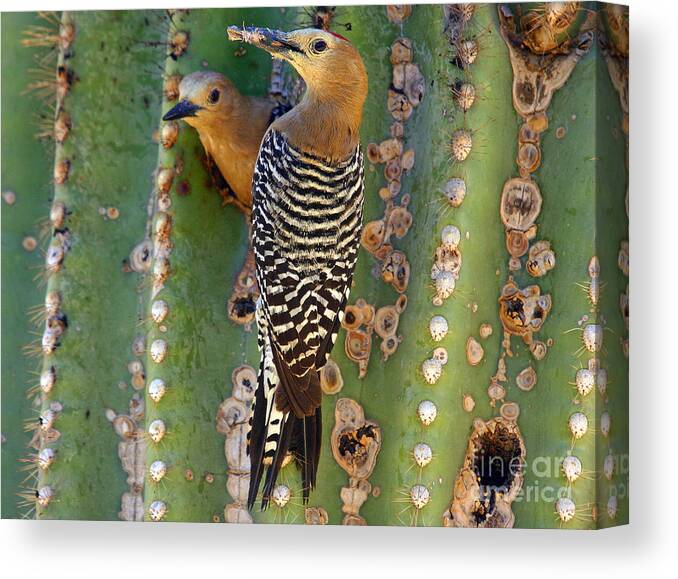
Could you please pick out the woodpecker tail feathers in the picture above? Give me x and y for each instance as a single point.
(275, 432)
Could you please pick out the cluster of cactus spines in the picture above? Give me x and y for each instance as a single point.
(25, 191)
(415, 424)
(612, 433)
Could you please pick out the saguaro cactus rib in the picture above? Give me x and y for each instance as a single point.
(104, 199)
(568, 142)
(25, 192)
(428, 132)
(470, 304)
(207, 245)
(542, 448)
(612, 221)
(549, 441)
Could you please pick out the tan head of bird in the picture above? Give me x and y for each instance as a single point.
(204, 96)
(336, 83)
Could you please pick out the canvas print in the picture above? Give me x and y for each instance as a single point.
(358, 265)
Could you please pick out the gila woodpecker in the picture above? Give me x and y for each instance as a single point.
(230, 126)
(307, 218)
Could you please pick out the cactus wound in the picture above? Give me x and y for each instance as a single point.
(491, 478)
(355, 446)
(232, 418)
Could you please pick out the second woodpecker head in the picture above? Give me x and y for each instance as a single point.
(328, 62)
(203, 97)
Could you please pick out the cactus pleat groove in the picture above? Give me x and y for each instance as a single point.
(145, 418)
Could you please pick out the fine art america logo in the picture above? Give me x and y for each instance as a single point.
(544, 479)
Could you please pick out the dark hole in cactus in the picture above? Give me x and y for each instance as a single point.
(243, 307)
(355, 442)
(496, 462)
(516, 310)
(497, 459)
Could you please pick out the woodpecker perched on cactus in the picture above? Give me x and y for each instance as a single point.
(230, 126)
(307, 218)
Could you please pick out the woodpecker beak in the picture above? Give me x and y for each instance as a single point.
(275, 42)
(182, 109)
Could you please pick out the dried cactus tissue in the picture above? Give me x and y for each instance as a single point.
(352, 265)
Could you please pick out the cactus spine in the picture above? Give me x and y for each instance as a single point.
(87, 341)
(25, 191)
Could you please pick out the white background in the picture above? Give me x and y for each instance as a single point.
(647, 546)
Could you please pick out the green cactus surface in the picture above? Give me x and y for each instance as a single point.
(145, 416)
(110, 153)
(26, 190)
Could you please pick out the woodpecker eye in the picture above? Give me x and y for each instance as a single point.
(213, 97)
(319, 46)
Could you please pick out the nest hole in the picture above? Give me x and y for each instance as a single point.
(515, 308)
(355, 442)
(497, 459)
(243, 307)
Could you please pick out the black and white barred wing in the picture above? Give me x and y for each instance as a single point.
(307, 220)
(307, 217)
